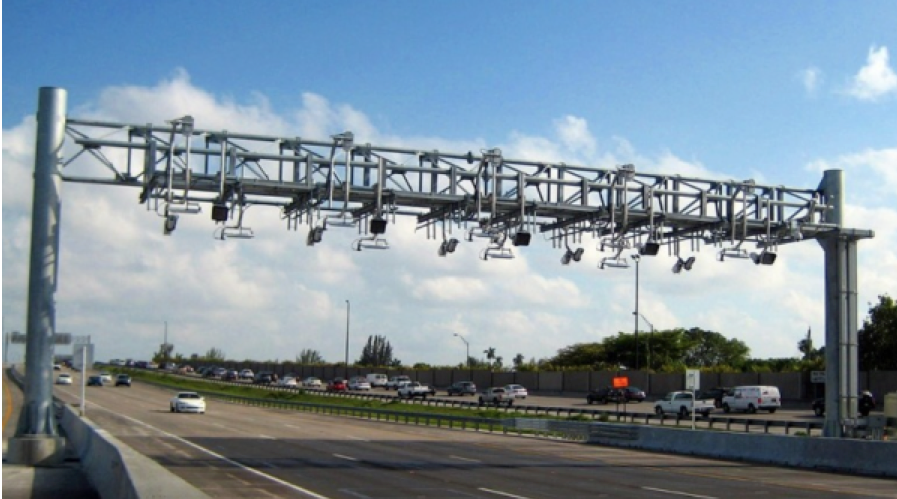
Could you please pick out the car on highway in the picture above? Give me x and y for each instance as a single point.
(359, 383)
(518, 391)
(106, 377)
(312, 382)
(264, 378)
(337, 385)
(187, 402)
(247, 374)
(632, 394)
(288, 382)
(716, 393)
(496, 396)
(231, 375)
(122, 379)
(462, 388)
(752, 398)
(605, 395)
(57, 367)
(819, 406)
(396, 382)
(95, 380)
(64, 379)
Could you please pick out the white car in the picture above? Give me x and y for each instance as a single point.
(64, 379)
(359, 384)
(312, 383)
(187, 402)
(287, 382)
(106, 377)
(518, 391)
(247, 374)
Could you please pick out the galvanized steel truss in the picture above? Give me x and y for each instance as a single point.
(179, 168)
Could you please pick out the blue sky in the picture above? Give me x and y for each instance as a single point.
(759, 90)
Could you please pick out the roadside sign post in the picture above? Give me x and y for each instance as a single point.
(693, 383)
(621, 382)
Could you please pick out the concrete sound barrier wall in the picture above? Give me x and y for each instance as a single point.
(863, 457)
(116, 470)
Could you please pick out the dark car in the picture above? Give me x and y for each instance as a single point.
(264, 378)
(607, 394)
(337, 385)
(95, 381)
(632, 394)
(462, 388)
(865, 405)
(716, 393)
(819, 407)
(122, 379)
(231, 376)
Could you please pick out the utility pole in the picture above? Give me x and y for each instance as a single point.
(348, 309)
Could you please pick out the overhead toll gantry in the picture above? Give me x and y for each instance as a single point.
(180, 170)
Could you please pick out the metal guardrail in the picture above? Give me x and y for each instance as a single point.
(725, 423)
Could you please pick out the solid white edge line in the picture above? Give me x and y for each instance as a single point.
(465, 459)
(348, 458)
(219, 456)
(500, 493)
(678, 493)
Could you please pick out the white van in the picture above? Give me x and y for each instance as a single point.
(377, 380)
(752, 398)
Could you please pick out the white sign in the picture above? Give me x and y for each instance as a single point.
(692, 379)
(817, 376)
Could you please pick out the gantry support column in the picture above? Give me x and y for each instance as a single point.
(841, 360)
(36, 442)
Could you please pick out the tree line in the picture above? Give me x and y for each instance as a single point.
(670, 350)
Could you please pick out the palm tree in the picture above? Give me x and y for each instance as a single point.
(490, 354)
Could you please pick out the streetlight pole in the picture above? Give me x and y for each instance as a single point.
(637, 315)
(636, 258)
(348, 309)
(466, 344)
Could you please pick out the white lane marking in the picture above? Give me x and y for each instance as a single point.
(348, 458)
(357, 438)
(292, 426)
(678, 493)
(500, 493)
(219, 456)
(267, 437)
(465, 459)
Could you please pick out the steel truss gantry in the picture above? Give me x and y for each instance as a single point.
(178, 168)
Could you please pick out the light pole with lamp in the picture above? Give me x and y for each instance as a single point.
(348, 309)
(638, 314)
(467, 359)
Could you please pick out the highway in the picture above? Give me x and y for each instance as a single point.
(239, 451)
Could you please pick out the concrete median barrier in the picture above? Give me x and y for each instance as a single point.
(116, 470)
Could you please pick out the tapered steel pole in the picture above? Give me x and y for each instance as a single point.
(37, 442)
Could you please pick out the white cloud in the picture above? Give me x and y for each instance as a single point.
(270, 297)
(811, 78)
(876, 79)
(575, 135)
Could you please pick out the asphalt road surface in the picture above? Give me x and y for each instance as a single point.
(239, 451)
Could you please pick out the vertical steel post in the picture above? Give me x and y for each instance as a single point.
(348, 308)
(37, 442)
(841, 373)
(637, 259)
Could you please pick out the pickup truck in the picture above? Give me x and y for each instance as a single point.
(415, 389)
(396, 382)
(681, 403)
(496, 396)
